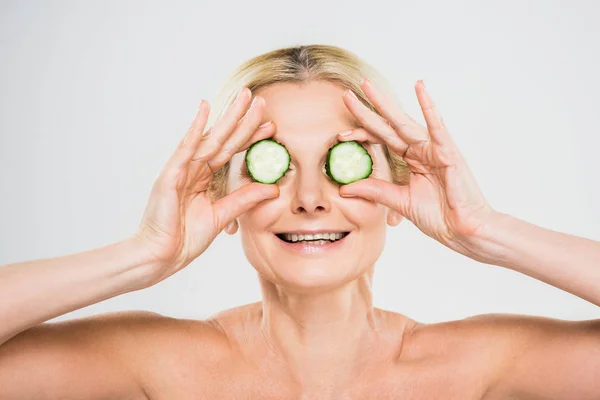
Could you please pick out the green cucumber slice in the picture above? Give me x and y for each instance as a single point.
(348, 162)
(267, 161)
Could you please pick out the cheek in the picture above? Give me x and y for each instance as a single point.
(370, 221)
(366, 215)
(364, 210)
(260, 217)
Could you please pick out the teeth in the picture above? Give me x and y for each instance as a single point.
(292, 237)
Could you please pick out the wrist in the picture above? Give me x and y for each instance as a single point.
(144, 266)
(485, 244)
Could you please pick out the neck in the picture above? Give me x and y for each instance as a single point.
(322, 336)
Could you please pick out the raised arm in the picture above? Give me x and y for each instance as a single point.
(67, 359)
(96, 357)
(33, 292)
(568, 262)
(443, 200)
(541, 358)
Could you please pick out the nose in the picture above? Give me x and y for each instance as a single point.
(311, 196)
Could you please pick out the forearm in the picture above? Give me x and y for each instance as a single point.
(568, 262)
(32, 292)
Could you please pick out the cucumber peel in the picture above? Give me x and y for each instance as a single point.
(267, 161)
(348, 162)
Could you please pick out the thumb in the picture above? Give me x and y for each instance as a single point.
(380, 191)
(241, 200)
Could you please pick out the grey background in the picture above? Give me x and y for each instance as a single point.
(94, 97)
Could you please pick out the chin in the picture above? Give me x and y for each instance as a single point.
(312, 267)
(310, 276)
(315, 276)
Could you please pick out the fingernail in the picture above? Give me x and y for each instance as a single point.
(254, 100)
(265, 124)
(422, 83)
(345, 133)
(367, 81)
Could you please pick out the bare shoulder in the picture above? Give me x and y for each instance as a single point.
(132, 332)
(517, 332)
(492, 334)
(168, 356)
(110, 333)
(502, 350)
(130, 354)
(173, 357)
(508, 328)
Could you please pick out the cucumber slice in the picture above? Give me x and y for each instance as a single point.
(267, 161)
(348, 162)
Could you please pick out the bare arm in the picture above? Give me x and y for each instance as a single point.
(83, 358)
(97, 358)
(542, 358)
(32, 292)
(548, 358)
(565, 261)
(445, 202)
(94, 357)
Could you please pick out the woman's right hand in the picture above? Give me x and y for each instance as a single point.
(180, 220)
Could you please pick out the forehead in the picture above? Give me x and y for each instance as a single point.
(305, 109)
(308, 117)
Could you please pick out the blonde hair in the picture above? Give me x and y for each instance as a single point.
(302, 64)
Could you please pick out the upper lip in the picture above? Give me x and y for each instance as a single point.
(313, 231)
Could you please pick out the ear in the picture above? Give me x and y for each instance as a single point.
(393, 217)
(232, 227)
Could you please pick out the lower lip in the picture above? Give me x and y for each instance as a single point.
(311, 248)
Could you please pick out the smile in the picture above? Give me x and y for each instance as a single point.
(317, 238)
(312, 243)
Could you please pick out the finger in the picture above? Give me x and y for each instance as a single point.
(380, 191)
(410, 131)
(260, 134)
(374, 123)
(244, 129)
(240, 201)
(189, 144)
(435, 124)
(222, 129)
(360, 135)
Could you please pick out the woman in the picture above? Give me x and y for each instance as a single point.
(315, 335)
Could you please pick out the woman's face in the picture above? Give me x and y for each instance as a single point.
(308, 117)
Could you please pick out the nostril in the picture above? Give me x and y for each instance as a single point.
(316, 209)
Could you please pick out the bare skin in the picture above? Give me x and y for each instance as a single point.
(155, 357)
(315, 334)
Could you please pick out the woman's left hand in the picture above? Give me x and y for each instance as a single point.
(442, 198)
